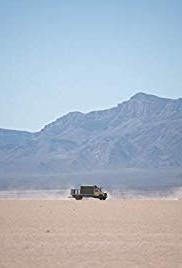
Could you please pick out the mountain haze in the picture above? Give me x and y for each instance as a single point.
(143, 132)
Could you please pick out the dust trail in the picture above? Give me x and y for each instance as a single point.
(120, 193)
(35, 194)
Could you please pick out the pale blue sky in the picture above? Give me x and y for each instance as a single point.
(62, 56)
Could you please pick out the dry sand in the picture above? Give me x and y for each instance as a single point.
(90, 233)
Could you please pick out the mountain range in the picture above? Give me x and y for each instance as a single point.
(142, 132)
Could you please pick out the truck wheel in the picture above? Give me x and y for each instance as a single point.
(78, 197)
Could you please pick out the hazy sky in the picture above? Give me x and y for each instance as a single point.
(61, 56)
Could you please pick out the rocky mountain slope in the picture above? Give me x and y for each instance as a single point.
(143, 132)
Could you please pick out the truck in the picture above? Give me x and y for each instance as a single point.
(88, 191)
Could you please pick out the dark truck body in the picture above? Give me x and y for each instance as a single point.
(88, 191)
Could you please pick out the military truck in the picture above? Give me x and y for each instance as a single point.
(88, 191)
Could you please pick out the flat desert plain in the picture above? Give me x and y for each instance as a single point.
(90, 233)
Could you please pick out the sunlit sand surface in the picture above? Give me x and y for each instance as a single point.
(90, 233)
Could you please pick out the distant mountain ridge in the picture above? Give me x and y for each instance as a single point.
(145, 131)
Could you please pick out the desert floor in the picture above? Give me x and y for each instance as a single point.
(90, 233)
